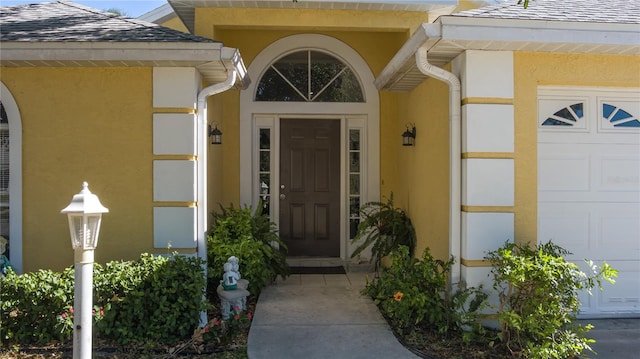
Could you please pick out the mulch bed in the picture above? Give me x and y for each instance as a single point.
(105, 349)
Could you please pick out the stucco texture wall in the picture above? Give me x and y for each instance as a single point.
(554, 69)
(84, 124)
(376, 36)
(422, 171)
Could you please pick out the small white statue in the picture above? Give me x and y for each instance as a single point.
(235, 263)
(232, 290)
(230, 277)
(4, 261)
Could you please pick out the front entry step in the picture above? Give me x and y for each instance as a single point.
(349, 266)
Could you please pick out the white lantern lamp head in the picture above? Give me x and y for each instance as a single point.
(216, 135)
(85, 214)
(409, 136)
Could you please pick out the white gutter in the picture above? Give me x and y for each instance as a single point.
(201, 150)
(455, 182)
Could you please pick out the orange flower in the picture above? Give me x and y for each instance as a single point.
(398, 296)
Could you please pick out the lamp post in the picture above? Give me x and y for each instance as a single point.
(85, 214)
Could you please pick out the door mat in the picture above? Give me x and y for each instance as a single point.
(317, 270)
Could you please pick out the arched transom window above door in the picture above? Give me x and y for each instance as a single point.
(309, 76)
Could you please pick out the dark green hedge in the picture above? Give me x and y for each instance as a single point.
(152, 299)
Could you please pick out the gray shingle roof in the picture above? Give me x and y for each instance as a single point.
(597, 11)
(64, 21)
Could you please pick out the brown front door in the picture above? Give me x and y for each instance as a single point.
(310, 187)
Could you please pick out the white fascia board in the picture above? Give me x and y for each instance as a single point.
(159, 14)
(426, 35)
(538, 31)
(231, 58)
(102, 51)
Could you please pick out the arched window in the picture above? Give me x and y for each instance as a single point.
(309, 76)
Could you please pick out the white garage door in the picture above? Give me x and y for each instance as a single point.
(589, 187)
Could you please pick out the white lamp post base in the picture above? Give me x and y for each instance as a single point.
(83, 303)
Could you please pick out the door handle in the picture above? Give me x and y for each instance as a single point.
(283, 196)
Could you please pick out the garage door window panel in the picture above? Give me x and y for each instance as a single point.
(563, 114)
(614, 116)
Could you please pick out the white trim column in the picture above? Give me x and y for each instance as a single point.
(175, 157)
(488, 177)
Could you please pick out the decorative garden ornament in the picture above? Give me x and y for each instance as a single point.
(232, 290)
(230, 277)
(4, 261)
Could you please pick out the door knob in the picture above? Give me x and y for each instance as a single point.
(283, 196)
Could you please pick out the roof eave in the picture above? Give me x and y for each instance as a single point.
(457, 34)
(232, 59)
(508, 30)
(211, 59)
(159, 15)
(399, 66)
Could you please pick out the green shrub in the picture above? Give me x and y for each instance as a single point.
(252, 238)
(384, 228)
(538, 292)
(414, 293)
(152, 299)
(31, 305)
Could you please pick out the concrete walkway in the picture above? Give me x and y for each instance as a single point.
(615, 338)
(324, 316)
(320, 316)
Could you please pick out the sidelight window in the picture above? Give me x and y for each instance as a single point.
(264, 170)
(355, 180)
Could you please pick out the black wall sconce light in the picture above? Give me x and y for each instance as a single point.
(216, 135)
(409, 136)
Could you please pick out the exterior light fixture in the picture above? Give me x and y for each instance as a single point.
(84, 214)
(409, 136)
(216, 135)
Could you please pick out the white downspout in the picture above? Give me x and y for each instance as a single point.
(454, 155)
(202, 142)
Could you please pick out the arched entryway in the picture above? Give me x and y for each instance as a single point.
(309, 141)
(11, 176)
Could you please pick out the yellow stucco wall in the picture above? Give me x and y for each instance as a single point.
(78, 124)
(422, 171)
(176, 24)
(210, 20)
(533, 70)
(419, 175)
(252, 30)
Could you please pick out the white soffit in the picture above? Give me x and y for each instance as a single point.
(186, 8)
(449, 36)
